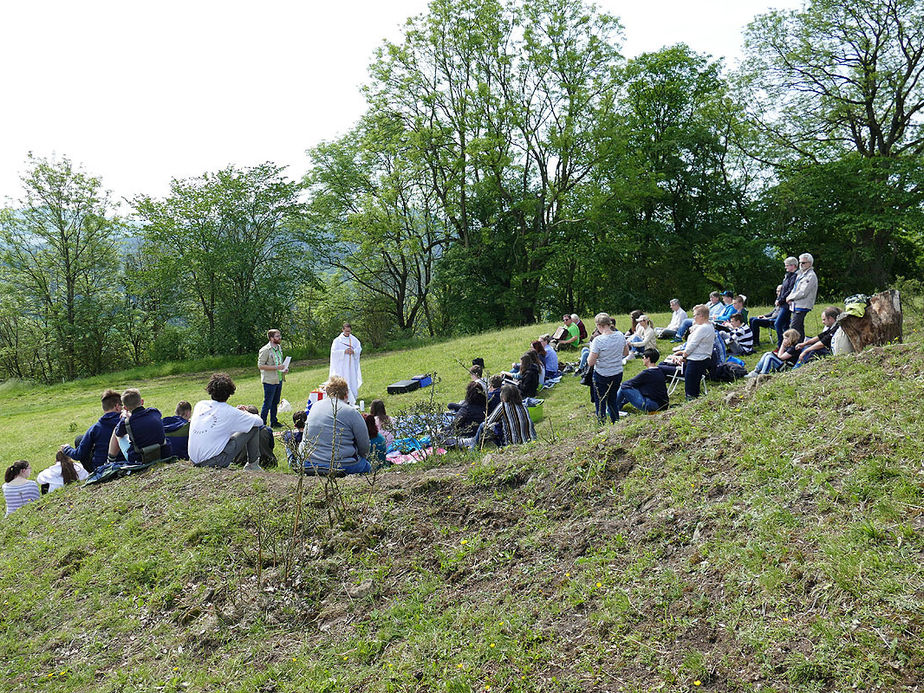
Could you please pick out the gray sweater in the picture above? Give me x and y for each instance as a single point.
(334, 431)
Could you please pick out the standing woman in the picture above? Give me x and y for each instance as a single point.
(19, 489)
(607, 351)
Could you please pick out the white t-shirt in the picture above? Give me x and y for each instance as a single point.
(52, 476)
(212, 425)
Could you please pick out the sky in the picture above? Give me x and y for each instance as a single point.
(142, 92)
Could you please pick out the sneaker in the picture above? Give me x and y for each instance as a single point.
(276, 424)
(752, 374)
(253, 467)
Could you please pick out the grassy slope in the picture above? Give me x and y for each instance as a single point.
(767, 537)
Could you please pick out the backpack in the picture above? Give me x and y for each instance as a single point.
(729, 372)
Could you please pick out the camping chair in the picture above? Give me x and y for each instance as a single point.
(677, 378)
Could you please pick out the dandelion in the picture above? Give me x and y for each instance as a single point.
(599, 584)
(785, 619)
(567, 574)
(492, 644)
(465, 541)
(697, 683)
(459, 665)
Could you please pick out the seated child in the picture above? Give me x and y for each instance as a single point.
(647, 391)
(292, 439)
(63, 471)
(176, 429)
(739, 340)
(382, 420)
(376, 442)
(775, 361)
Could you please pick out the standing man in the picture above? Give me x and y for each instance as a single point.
(802, 298)
(344, 360)
(272, 373)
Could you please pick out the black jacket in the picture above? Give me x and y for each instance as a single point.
(529, 381)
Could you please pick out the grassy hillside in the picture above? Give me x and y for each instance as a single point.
(36, 420)
(767, 537)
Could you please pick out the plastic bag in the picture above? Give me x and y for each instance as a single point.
(284, 406)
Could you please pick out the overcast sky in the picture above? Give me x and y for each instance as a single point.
(140, 93)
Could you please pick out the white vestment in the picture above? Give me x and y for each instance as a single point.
(347, 365)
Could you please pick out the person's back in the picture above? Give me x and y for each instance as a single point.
(334, 433)
(18, 488)
(93, 447)
(144, 426)
(63, 471)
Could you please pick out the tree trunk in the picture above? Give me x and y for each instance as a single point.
(882, 323)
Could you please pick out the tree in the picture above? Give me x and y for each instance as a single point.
(838, 87)
(60, 250)
(229, 242)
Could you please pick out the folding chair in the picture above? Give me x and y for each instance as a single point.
(677, 378)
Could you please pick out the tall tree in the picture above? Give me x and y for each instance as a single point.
(60, 249)
(837, 90)
(229, 241)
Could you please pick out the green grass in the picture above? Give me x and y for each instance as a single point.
(769, 536)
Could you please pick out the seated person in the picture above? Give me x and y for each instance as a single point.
(537, 346)
(93, 447)
(582, 331)
(336, 437)
(63, 471)
(821, 345)
(267, 443)
(647, 391)
(176, 428)
(144, 428)
(715, 306)
(574, 334)
(528, 376)
(775, 361)
(515, 424)
(471, 413)
(383, 421)
(476, 375)
(678, 315)
(737, 307)
(219, 432)
(728, 308)
(739, 340)
(18, 488)
(376, 442)
(495, 384)
(292, 439)
(552, 369)
(766, 320)
(643, 338)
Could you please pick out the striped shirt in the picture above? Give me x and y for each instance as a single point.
(18, 494)
(744, 337)
(515, 422)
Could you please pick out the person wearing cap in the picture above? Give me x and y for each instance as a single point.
(715, 308)
(728, 299)
(644, 337)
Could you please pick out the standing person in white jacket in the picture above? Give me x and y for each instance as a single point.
(344, 361)
(801, 299)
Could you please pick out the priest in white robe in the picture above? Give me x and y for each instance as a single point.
(344, 360)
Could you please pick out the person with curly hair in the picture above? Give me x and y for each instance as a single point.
(218, 432)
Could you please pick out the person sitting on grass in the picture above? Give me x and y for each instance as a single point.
(528, 376)
(267, 443)
(376, 442)
(643, 338)
(382, 420)
(647, 391)
(821, 345)
(144, 427)
(63, 471)
(471, 413)
(515, 425)
(336, 437)
(176, 428)
(574, 334)
(18, 488)
(678, 315)
(218, 432)
(476, 374)
(776, 360)
(552, 369)
(93, 446)
(739, 340)
(292, 439)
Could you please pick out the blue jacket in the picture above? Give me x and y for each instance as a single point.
(148, 429)
(176, 428)
(94, 446)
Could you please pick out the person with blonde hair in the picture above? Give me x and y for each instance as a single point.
(788, 353)
(697, 352)
(607, 352)
(336, 437)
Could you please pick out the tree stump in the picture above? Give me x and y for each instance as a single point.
(882, 323)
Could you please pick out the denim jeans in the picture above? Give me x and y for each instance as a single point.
(768, 363)
(606, 388)
(757, 323)
(629, 395)
(782, 324)
(271, 394)
(585, 354)
(684, 328)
